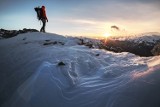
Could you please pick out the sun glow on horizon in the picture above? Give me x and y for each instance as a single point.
(107, 34)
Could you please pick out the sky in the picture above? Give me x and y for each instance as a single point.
(84, 17)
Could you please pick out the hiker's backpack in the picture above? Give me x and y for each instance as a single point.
(39, 12)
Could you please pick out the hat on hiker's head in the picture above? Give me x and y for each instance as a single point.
(43, 6)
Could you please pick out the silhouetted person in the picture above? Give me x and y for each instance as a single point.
(43, 19)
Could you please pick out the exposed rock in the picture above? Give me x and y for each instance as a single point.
(11, 33)
(61, 63)
(50, 43)
(86, 42)
(47, 40)
(81, 42)
(156, 49)
(97, 54)
(24, 38)
(61, 43)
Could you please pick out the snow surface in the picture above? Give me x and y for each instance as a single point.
(30, 75)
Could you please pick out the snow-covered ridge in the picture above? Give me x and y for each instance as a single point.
(31, 74)
(146, 44)
(143, 45)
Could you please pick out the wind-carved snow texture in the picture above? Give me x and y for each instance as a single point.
(86, 80)
(58, 86)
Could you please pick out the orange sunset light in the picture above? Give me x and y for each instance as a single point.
(107, 34)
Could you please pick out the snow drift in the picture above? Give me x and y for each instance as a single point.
(31, 77)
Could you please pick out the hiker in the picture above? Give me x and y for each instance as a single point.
(43, 18)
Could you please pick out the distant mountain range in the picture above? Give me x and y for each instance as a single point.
(146, 44)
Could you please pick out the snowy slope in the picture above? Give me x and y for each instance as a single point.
(30, 75)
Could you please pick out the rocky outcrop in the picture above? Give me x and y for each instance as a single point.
(11, 33)
(156, 49)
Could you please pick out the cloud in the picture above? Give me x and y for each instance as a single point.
(115, 27)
